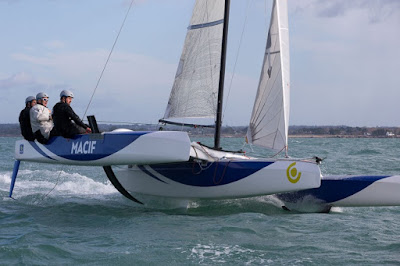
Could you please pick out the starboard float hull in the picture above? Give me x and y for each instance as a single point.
(347, 191)
(120, 147)
(219, 179)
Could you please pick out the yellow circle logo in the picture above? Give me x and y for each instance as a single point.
(292, 174)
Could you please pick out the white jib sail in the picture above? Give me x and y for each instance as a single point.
(193, 97)
(270, 117)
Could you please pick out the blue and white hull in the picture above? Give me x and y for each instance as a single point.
(166, 164)
(220, 179)
(120, 147)
(347, 191)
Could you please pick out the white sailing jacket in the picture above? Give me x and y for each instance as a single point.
(41, 120)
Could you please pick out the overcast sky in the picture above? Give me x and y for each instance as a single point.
(345, 58)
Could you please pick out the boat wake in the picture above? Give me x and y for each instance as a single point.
(46, 186)
(51, 188)
(268, 205)
(307, 204)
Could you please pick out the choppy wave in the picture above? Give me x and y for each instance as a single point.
(222, 253)
(364, 152)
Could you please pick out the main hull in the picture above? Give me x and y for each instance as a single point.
(220, 179)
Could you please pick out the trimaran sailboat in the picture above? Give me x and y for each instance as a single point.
(167, 164)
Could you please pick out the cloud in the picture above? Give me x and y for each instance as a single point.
(16, 80)
(36, 60)
(130, 82)
(376, 10)
(344, 63)
(134, 88)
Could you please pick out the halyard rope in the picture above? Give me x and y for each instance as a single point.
(237, 56)
(108, 58)
(95, 89)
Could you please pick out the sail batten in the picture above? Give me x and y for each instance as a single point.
(270, 117)
(205, 25)
(195, 90)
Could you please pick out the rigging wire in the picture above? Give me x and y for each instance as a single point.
(266, 14)
(58, 179)
(51, 190)
(237, 56)
(108, 58)
(95, 89)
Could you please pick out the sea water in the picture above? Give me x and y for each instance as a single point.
(73, 215)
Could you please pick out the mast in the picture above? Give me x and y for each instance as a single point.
(218, 122)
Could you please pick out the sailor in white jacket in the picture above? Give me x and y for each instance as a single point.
(41, 120)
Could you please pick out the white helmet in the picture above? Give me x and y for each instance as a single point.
(66, 93)
(41, 95)
(29, 99)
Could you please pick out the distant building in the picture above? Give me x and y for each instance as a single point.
(390, 134)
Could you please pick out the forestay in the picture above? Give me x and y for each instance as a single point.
(270, 117)
(194, 94)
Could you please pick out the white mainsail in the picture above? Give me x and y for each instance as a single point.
(270, 117)
(194, 94)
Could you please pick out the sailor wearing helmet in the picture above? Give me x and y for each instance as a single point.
(41, 120)
(24, 119)
(66, 122)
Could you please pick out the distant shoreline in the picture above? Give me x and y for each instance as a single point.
(13, 130)
(310, 136)
(290, 136)
(342, 136)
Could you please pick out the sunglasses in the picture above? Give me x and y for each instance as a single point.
(44, 99)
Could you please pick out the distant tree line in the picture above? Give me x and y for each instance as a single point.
(344, 131)
(10, 130)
